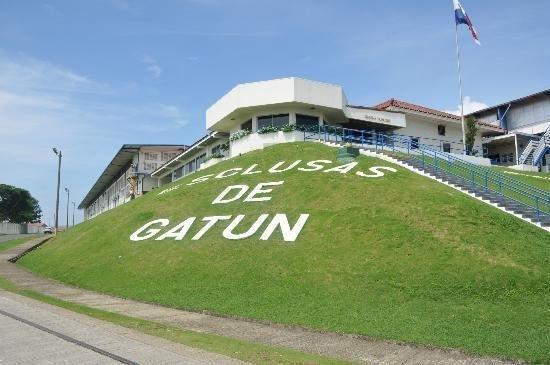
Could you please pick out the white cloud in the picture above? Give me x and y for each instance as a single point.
(152, 66)
(470, 106)
(44, 105)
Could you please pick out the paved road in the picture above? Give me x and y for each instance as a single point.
(9, 237)
(33, 332)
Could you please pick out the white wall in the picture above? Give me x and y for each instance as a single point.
(257, 141)
(427, 128)
(273, 92)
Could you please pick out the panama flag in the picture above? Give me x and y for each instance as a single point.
(462, 18)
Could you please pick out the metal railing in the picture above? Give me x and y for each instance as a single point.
(527, 151)
(477, 176)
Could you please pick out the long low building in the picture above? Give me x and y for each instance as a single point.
(127, 176)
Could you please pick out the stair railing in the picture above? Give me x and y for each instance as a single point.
(489, 180)
(526, 152)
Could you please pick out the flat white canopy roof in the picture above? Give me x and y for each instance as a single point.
(272, 92)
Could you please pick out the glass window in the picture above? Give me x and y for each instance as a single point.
(414, 143)
(441, 130)
(278, 120)
(200, 160)
(447, 147)
(247, 125)
(264, 121)
(307, 120)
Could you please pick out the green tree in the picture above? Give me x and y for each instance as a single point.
(18, 206)
(471, 132)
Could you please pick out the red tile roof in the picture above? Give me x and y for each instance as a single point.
(417, 108)
(422, 109)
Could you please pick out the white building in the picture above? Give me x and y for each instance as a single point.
(127, 176)
(526, 141)
(250, 114)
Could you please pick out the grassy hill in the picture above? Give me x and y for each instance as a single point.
(397, 257)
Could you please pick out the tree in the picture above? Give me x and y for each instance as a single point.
(18, 206)
(471, 132)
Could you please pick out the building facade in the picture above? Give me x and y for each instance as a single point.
(525, 143)
(248, 117)
(127, 176)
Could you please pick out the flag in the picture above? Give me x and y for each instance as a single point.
(462, 18)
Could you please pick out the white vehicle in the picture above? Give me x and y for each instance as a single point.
(48, 230)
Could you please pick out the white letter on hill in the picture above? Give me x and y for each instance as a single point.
(314, 165)
(250, 170)
(258, 190)
(228, 173)
(220, 198)
(228, 232)
(288, 234)
(150, 233)
(278, 164)
(179, 231)
(200, 179)
(376, 170)
(211, 221)
(343, 169)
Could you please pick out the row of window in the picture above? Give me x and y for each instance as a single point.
(154, 156)
(280, 120)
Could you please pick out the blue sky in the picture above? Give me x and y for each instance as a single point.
(90, 76)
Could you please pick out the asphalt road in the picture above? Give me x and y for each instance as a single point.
(9, 237)
(33, 332)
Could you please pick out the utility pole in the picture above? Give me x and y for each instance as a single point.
(67, 190)
(73, 212)
(58, 153)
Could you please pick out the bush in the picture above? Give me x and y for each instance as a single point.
(289, 127)
(268, 129)
(240, 134)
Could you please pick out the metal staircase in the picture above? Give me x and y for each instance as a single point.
(512, 195)
(535, 150)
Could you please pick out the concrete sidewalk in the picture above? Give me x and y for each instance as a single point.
(348, 347)
(37, 333)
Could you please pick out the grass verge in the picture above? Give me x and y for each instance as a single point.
(6, 245)
(242, 350)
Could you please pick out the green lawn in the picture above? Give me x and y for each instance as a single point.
(15, 242)
(538, 179)
(399, 257)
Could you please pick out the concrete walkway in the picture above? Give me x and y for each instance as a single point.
(348, 347)
(38, 333)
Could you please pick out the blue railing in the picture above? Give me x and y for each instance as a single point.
(478, 176)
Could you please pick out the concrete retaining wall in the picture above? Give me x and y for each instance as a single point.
(13, 228)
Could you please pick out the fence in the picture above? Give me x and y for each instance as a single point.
(14, 228)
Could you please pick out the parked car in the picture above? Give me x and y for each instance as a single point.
(48, 230)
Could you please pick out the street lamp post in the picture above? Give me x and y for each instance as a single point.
(58, 153)
(67, 190)
(73, 212)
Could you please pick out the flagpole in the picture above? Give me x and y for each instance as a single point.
(460, 89)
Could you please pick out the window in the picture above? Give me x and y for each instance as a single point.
(217, 150)
(168, 155)
(149, 166)
(190, 167)
(247, 125)
(441, 130)
(306, 120)
(277, 121)
(414, 143)
(151, 156)
(200, 160)
(447, 147)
